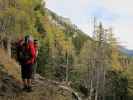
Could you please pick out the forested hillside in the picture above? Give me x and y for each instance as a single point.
(92, 66)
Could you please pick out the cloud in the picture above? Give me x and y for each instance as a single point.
(123, 31)
(73, 9)
(123, 20)
(119, 6)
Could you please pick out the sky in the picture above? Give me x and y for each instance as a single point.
(117, 14)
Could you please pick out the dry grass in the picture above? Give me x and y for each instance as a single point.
(10, 65)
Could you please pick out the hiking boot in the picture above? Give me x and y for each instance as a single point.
(29, 89)
(24, 88)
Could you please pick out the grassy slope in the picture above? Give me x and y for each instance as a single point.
(9, 65)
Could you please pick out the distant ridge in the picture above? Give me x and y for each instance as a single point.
(126, 51)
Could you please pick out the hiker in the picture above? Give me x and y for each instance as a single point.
(35, 61)
(26, 57)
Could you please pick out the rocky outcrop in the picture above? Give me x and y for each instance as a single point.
(8, 85)
(43, 89)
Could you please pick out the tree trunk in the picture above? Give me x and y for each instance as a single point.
(67, 68)
(91, 90)
(96, 95)
(1, 43)
(7, 45)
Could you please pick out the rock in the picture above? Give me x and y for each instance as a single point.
(8, 86)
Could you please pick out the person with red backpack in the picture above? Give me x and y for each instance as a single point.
(36, 46)
(26, 57)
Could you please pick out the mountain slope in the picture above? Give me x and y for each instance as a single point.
(65, 24)
(126, 51)
(70, 30)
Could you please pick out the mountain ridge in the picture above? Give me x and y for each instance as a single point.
(126, 51)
